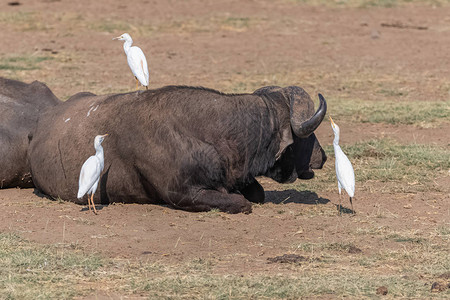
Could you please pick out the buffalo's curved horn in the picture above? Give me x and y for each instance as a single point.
(303, 129)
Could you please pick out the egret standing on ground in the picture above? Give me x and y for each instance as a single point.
(344, 170)
(136, 60)
(90, 172)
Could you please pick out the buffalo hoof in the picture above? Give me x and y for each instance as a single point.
(253, 192)
(206, 200)
(246, 208)
(234, 204)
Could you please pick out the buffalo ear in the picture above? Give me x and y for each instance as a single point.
(286, 140)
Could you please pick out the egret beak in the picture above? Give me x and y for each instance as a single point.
(105, 135)
(116, 38)
(332, 123)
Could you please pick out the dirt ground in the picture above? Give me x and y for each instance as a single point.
(371, 53)
(154, 233)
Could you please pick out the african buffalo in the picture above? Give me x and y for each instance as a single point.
(20, 106)
(193, 148)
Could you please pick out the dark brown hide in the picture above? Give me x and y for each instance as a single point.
(301, 154)
(192, 148)
(20, 106)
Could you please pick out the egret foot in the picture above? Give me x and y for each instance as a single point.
(93, 204)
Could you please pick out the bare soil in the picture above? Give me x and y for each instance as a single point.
(159, 233)
(236, 46)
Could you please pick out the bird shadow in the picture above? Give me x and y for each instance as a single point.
(84, 208)
(344, 210)
(294, 196)
(97, 207)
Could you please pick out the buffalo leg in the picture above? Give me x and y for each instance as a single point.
(253, 192)
(205, 200)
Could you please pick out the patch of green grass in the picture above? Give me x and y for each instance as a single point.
(385, 160)
(405, 239)
(373, 230)
(338, 246)
(23, 20)
(402, 167)
(143, 28)
(21, 63)
(364, 96)
(214, 212)
(237, 22)
(444, 232)
(31, 271)
(419, 113)
(209, 24)
(304, 284)
(381, 3)
(392, 92)
(111, 26)
(371, 3)
(403, 270)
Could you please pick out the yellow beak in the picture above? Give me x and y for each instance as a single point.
(105, 134)
(331, 121)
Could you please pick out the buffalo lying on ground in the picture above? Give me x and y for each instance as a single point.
(192, 148)
(20, 106)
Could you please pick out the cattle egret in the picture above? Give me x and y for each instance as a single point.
(344, 170)
(136, 60)
(90, 172)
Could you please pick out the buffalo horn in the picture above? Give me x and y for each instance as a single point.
(305, 128)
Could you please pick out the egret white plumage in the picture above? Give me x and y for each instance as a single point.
(344, 169)
(136, 60)
(90, 172)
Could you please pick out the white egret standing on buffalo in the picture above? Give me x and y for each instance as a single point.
(90, 172)
(344, 170)
(136, 60)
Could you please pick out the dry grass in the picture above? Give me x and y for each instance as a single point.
(406, 261)
(23, 62)
(179, 26)
(419, 113)
(31, 271)
(372, 3)
(404, 168)
(24, 21)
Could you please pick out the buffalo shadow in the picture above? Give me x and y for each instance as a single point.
(294, 196)
(84, 207)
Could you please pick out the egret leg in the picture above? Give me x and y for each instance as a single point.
(340, 205)
(93, 204)
(352, 205)
(89, 202)
(137, 83)
(146, 87)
